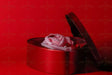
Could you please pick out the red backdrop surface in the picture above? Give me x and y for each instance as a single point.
(21, 20)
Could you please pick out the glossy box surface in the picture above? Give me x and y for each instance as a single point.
(50, 61)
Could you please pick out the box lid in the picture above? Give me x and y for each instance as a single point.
(78, 29)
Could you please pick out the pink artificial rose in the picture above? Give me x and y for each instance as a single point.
(58, 42)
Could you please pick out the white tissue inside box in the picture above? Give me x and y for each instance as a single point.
(60, 42)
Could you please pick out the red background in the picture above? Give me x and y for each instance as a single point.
(21, 20)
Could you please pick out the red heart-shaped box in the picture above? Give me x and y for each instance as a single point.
(83, 59)
(56, 61)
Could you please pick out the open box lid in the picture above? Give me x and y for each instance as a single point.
(78, 30)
